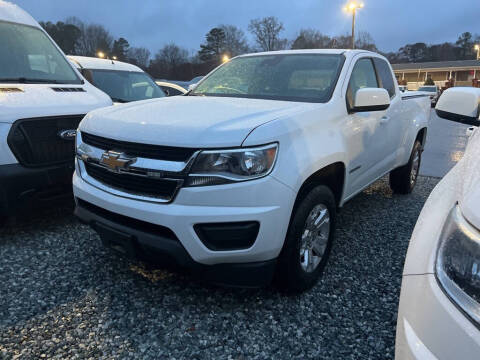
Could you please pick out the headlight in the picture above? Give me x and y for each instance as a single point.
(216, 167)
(458, 263)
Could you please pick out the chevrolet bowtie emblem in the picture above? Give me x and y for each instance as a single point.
(116, 161)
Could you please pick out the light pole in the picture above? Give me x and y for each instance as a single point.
(352, 7)
(477, 47)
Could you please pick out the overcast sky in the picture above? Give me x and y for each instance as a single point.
(154, 23)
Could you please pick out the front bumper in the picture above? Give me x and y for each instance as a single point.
(430, 326)
(266, 201)
(22, 187)
(132, 239)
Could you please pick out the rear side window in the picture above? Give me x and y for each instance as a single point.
(385, 76)
(363, 76)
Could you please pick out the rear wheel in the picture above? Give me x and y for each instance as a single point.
(404, 178)
(308, 242)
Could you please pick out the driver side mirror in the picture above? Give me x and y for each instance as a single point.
(460, 104)
(192, 87)
(371, 99)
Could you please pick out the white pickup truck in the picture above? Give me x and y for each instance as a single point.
(241, 178)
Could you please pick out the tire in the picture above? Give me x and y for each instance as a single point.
(295, 273)
(404, 178)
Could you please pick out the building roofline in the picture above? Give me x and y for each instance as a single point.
(438, 65)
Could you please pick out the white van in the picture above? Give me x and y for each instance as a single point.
(42, 100)
(122, 81)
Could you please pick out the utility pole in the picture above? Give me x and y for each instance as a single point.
(352, 7)
(353, 27)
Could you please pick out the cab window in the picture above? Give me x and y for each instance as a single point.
(385, 76)
(363, 76)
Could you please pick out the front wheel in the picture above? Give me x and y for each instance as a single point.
(404, 178)
(308, 242)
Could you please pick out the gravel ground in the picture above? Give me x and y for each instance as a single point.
(63, 296)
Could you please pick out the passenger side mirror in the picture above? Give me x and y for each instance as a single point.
(460, 104)
(371, 99)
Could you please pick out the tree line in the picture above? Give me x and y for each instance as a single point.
(462, 49)
(176, 63)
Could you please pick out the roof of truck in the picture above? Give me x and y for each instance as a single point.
(311, 51)
(14, 13)
(86, 62)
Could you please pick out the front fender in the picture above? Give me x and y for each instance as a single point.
(307, 143)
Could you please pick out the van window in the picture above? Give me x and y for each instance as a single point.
(28, 56)
(125, 86)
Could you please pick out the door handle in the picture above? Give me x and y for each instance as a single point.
(384, 120)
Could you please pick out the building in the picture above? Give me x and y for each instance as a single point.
(414, 74)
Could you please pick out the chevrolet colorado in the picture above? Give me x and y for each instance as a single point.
(240, 179)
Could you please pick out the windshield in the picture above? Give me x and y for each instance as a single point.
(428, 88)
(291, 77)
(27, 55)
(125, 86)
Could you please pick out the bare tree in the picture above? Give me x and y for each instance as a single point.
(341, 42)
(168, 60)
(365, 41)
(267, 33)
(235, 41)
(93, 38)
(311, 39)
(140, 56)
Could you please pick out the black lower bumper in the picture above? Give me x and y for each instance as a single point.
(138, 239)
(22, 187)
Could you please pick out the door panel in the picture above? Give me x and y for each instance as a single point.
(397, 120)
(366, 132)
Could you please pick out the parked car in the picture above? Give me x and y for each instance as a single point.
(196, 79)
(241, 179)
(183, 84)
(42, 100)
(434, 93)
(171, 89)
(123, 82)
(439, 312)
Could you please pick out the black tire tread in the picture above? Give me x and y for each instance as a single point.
(399, 178)
(289, 275)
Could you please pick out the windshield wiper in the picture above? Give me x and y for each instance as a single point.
(24, 80)
(191, 93)
(114, 99)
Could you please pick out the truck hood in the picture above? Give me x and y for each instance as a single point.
(470, 186)
(37, 100)
(187, 121)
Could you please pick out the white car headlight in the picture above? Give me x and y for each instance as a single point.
(215, 167)
(458, 263)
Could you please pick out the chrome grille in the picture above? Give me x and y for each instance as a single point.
(157, 152)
